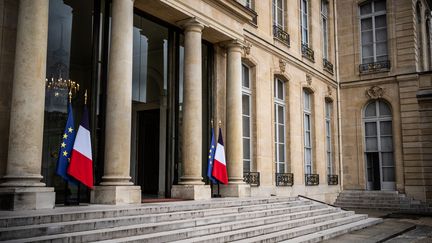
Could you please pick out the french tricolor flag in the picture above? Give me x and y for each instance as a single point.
(219, 166)
(81, 163)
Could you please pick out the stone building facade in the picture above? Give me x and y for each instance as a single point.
(160, 74)
(385, 86)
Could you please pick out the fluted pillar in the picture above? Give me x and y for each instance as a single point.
(23, 188)
(191, 185)
(116, 187)
(234, 143)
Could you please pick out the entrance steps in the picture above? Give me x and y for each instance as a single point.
(382, 200)
(273, 219)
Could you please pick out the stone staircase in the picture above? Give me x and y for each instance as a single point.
(382, 200)
(273, 219)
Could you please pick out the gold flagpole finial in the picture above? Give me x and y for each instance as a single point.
(220, 123)
(211, 123)
(85, 98)
(70, 96)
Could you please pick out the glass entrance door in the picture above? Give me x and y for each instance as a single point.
(379, 159)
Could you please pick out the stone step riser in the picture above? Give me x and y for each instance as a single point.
(341, 219)
(222, 216)
(86, 215)
(339, 201)
(183, 234)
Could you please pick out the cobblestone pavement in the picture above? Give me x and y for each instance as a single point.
(396, 228)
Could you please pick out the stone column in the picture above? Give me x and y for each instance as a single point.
(22, 188)
(234, 143)
(191, 184)
(116, 187)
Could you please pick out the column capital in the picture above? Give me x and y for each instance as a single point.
(191, 24)
(233, 45)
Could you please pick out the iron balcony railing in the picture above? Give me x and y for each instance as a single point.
(281, 35)
(307, 52)
(284, 179)
(311, 179)
(251, 178)
(374, 67)
(332, 179)
(327, 65)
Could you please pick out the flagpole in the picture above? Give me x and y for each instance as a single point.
(218, 183)
(67, 191)
(211, 183)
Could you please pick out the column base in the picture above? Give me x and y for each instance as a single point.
(27, 198)
(116, 195)
(235, 190)
(195, 192)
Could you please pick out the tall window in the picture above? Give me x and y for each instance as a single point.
(280, 121)
(428, 43)
(324, 20)
(373, 21)
(329, 153)
(307, 114)
(304, 5)
(419, 34)
(278, 13)
(246, 117)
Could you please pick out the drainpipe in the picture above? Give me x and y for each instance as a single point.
(339, 118)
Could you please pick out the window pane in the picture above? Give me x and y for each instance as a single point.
(246, 166)
(246, 148)
(381, 49)
(371, 144)
(245, 76)
(280, 89)
(306, 100)
(308, 155)
(384, 109)
(307, 139)
(327, 128)
(370, 110)
(387, 159)
(245, 104)
(368, 60)
(281, 133)
(366, 8)
(246, 126)
(381, 35)
(370, 129)
(380, 5)
(382, 58)
(281, 153)
(367, 37)
(279, 4)
(281, 115)
(380, 21)
(367, 50)
(281, 168)
(280, 18)
(386, 128)
(307, 122)
(386, 144)
(366, 24)
(388, 174)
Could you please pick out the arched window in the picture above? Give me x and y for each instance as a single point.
(419, 35)
(380, 166)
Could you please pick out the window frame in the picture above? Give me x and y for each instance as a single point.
(373, 15)
(329, 137)
(308, 112)
(280, 103)
(325, 28)
(275, 14)
(247, 91)
(304, 12)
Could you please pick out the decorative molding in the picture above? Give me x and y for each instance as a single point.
(247, 48)
(375, 92)
(282, 65)
(308, 79)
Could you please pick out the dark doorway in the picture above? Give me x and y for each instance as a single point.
(148, 151)
(374, 177)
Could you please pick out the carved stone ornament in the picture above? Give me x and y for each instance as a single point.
(282, 65)
(329, 91)
(309, 79)
(375, 92)
(247, 48)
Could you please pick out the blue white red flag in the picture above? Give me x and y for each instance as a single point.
(219, 166)
(211, 158)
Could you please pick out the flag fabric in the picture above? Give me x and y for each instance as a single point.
(211, 158)
(65, 151)
(81, 164)
(219, 165)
